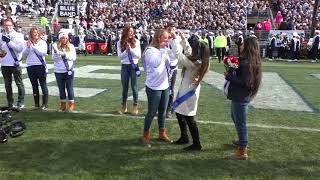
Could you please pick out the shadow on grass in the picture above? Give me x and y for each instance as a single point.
(119, 157)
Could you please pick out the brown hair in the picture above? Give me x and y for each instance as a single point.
(124, 39)
(200, 56)
(251, 52)
(156, 38)
(9, 19)
(31, 31)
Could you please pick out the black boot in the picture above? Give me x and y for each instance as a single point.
(183, 129)
(44, 105)
(196, 146)
(36, 101)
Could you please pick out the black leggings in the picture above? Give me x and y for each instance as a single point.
(193, 128)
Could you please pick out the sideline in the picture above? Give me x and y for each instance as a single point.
(304, 129)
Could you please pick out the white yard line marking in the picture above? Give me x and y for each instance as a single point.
(316, 75)
(304, 129)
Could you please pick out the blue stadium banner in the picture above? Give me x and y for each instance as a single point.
(67, 10)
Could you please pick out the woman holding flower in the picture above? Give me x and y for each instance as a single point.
(244, 85)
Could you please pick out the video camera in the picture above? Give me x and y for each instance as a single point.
(10, 127)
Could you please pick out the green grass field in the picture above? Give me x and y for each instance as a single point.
(93, 144)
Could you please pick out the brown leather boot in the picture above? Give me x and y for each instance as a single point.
(135, 110)
(71, 106)
(63, 106)
(163, 135)
(124, 108)
(146, 137)
(240, 154)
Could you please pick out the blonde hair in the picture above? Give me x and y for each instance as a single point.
(66, 47)
(156, 38)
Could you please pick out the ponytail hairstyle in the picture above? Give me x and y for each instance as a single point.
(200, 56)
(251, 52)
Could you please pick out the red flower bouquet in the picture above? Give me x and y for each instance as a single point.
(231, 63)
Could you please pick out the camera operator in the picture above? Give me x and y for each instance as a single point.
(12, 43)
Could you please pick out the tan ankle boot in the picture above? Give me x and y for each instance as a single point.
(163, 135)
(240, 154)
(124, 108)
(135, 109)
(146, 137)
(71, 106)
(63, 106)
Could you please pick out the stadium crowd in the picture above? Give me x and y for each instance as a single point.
(297, 14)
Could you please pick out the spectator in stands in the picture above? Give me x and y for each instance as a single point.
(64, 55)
(129, 53)
(278, 19)
(12, 42)
(35, 51)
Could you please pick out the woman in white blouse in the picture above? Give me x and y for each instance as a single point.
(64, 55)
(129, 52)
(35, 51)
(157, 67)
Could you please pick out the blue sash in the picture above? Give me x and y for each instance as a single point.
(134, 66)
(14, 56)
(183, 98)
(41, 60)
(69, 69)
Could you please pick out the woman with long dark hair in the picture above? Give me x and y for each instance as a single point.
(35, 52)
(244, 85)
(195, 64)
(129, 52)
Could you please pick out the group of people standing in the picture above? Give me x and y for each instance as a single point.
(168, 50)
(14, 48)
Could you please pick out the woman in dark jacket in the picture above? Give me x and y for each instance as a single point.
(244, 85)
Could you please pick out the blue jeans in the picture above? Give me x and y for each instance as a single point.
(239, 117)
(7, 72)
(37, 75)
(126, 73)
(157, 101)
(64, 82)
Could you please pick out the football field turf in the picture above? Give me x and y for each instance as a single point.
(97, 143)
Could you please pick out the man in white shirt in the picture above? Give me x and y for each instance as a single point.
(12, 42)
(171, 28)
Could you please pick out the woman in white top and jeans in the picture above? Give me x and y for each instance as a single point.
(157, 67)
(64, 55)
(35, 51)
(126, 46)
